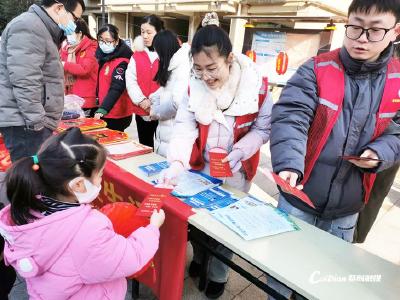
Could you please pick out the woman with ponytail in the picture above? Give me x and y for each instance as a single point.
(54, 239)
(173, 77)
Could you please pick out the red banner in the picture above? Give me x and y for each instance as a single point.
(169, 262)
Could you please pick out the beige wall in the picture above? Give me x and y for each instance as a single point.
(119, 20)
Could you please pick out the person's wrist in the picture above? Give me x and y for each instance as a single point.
(35, 127)
(178, 163)
(101, 111)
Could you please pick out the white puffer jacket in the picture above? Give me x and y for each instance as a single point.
(220, 133)
(166, 100)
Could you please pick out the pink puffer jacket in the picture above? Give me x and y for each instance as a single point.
(75, 254)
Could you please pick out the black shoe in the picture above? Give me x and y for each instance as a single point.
(194, 269)
(215, 289)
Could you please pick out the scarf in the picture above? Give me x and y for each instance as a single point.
(237, 97)
(70, 79)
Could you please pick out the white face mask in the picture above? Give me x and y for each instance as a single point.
(106, 48)
(71, 39)
(92, 191)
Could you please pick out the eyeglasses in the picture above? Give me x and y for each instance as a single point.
(374, 34)
(211, 72)
(72, 14)
(105, 42)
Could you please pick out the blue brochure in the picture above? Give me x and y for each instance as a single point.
(154, 168)
(211, 199)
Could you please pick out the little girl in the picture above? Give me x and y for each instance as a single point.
(227, 106)
(54, 239)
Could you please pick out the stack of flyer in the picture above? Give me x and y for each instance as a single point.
(127, 149)
(251, 218)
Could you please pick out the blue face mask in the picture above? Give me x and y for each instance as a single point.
(69, 28)
(106, 48)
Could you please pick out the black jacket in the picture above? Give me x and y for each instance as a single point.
(117, 86)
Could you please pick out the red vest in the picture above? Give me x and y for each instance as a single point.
(241, 128)
(331, 85)
(145, 73)
(124, 106)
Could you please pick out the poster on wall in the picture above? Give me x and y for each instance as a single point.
(298, 46)
(267, 45)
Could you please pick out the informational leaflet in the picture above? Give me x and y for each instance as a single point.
(154, 168)
(251, 218)
(211, 199)
(193, 182)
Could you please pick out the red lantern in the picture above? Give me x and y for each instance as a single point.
(123, 217)
(282, 61)
(252, 54)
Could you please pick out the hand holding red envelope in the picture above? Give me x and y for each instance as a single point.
(289, 189)
(153, 201)
(217, 167)
(353, 157)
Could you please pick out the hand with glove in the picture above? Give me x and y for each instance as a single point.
(235, 159)
(170, 176)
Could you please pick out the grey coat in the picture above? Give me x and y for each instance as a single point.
(31, 73)
(335, 186)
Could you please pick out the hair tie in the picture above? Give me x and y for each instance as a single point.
(210, 19)
(35, 159)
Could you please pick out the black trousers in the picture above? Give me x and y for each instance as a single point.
(368, 215)
(146, 131)
(118, 124)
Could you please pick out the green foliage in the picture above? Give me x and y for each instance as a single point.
(9, 9)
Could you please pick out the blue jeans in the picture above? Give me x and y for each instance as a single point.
(341, 227)
(22, 142)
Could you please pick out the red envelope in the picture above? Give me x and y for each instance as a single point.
(289, 189)
(150, 203)
(217, 167)
(353, 157)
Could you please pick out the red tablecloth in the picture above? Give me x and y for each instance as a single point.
(169, 262)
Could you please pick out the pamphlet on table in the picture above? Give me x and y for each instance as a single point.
(154, 168)
(193, 182)
(251, 218)
(211, 199)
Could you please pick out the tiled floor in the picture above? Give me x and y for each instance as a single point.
(386, 231)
